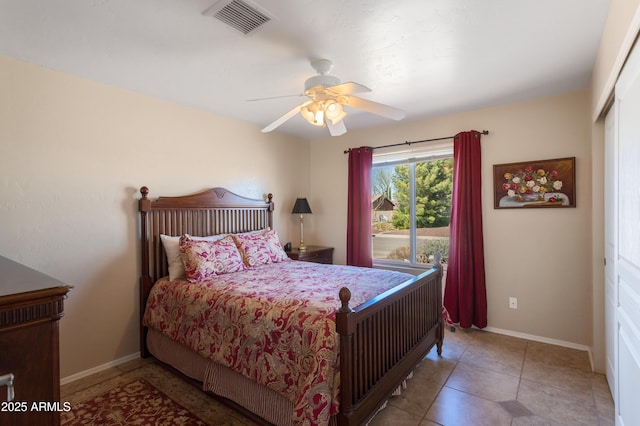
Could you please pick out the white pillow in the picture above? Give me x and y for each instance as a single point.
(172, 250)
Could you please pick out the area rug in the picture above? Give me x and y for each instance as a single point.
(134, 403)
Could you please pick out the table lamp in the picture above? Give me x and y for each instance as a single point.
(301, 207)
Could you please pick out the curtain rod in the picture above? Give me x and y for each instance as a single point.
(484, 132)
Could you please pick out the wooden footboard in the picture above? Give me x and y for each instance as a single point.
(382, 341)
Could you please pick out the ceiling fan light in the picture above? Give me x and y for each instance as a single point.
(334, 111)
(306, 114)
(313, 113)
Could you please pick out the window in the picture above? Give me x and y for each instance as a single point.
(412, 204)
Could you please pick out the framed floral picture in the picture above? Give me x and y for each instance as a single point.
(541, 183)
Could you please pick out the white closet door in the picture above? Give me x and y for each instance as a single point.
(627, 260)
(611, 244)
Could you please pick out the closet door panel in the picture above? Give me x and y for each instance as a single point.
(627, 260)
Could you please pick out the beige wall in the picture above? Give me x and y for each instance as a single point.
(540, 256)
(73, 154)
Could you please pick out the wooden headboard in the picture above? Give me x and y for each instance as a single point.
(210, 212)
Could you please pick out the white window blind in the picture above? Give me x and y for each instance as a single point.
(415, 152)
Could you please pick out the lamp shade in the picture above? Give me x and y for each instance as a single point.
(313, 113)
(301, 206)
(333, 111)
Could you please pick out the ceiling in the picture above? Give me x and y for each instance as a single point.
(427, 57)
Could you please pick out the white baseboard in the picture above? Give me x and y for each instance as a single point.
(99, 368)
(544, 340)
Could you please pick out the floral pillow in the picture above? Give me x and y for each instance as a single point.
(260, 248)
(204, 259)
(171, 246)
(276, 251)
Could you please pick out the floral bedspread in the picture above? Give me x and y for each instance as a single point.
(274, 324)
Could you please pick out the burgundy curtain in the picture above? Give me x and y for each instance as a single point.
(465, 295)
(359, 207)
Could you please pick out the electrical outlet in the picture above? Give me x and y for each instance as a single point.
(513, 303)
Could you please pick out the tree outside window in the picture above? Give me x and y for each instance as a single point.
(419, 194)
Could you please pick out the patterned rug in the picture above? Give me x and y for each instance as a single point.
(134, 403)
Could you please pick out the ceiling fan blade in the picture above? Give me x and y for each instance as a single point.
(375, 108)
(349, 88)
(336, 129)
(284, 118)
(274, 97)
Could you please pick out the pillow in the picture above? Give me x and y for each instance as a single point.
(276, 251)
(260, 248)
(172, 250)
(204, 259)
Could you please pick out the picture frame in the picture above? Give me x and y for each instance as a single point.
(535, 184)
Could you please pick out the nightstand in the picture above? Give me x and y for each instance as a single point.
(315, 254)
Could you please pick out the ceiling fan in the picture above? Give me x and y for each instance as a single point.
(327, 99)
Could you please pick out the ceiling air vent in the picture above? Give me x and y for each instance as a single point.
(238, 14)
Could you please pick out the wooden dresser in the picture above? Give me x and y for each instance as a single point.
(31, 303)
(315, 254)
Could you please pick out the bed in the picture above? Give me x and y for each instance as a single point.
(377, 325)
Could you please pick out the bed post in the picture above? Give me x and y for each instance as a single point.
(145, 278)
(345, 328)
(270, 209)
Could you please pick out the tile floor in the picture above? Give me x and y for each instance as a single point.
(490, 379)
(481, 378)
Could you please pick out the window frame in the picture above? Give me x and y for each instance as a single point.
(412, 158)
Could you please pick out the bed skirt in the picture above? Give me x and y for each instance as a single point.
(223, 381)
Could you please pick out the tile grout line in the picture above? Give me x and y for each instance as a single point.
(524, 359)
